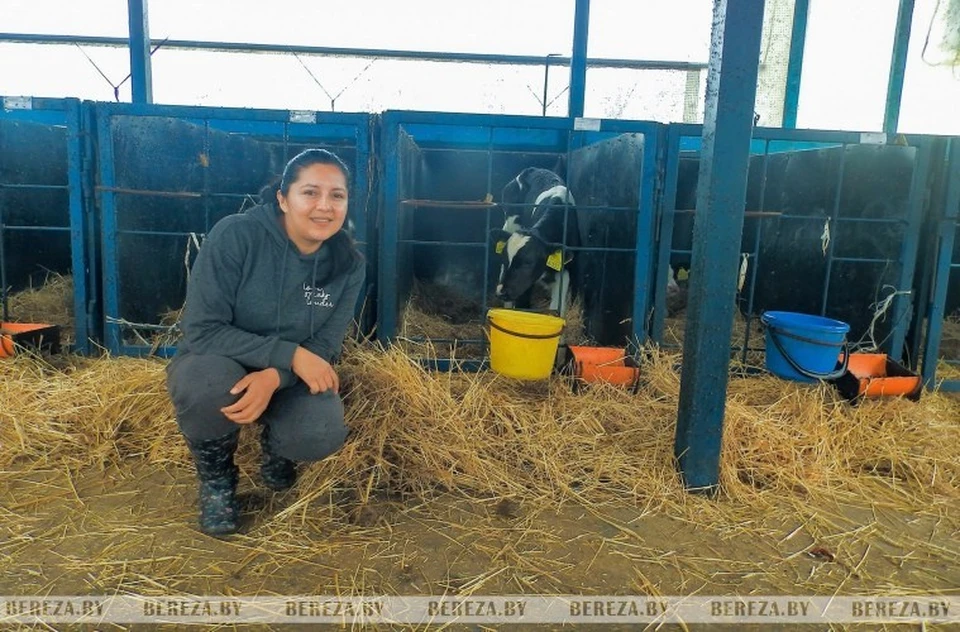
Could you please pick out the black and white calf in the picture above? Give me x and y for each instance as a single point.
(540, 219)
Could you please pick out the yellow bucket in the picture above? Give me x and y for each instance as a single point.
(523, 345)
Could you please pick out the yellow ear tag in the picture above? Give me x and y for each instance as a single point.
(682, 274)
(500, 246)
(555, 261)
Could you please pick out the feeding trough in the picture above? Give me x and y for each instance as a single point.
(14, 336)
(876, 375)
(610, 365)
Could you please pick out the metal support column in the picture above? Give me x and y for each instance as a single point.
(578, 62)
(728, 123)
(798, 41)
(141, 76)
(898, 66)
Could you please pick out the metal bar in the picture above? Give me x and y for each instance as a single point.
(903, 304)
(644, 256)
(141, 76)
(728, 123)
(946, 234)
(754, 269)
(834, 214)
(41, 187)
(154, 233)
(898, 66)
(59, 229)
(798, 41)
(381, 53)
(91, 228)
(108, 231)
(3, 264)
(174, 194)
(578, 65)
(668, 203)
(387, 287)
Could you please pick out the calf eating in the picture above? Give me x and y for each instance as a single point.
(540, 222)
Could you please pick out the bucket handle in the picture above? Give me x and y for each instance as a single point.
(831, 375)
(523, 335)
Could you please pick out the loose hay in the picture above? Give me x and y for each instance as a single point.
(515, 454)
(416, 432)
(51, 303)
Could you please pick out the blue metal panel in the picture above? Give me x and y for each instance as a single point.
(578, 65)
(898, 66)
(728, 123)
(903, 304)
(798, 40)
(668, 205)
(645, 253)
(338, 130)
(390, 235)
(112, 337)
(79, 218)
(946, 234)
(141, 77)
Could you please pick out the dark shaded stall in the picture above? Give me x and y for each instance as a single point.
(168, 174)
(832, 228)
(443, 178)
(44, 223)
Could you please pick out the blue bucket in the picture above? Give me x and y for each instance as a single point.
(805, 348)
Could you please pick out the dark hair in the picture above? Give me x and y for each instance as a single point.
(345, 253)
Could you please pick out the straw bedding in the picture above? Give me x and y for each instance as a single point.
(51, 303)
(416, 432)
(516, 487)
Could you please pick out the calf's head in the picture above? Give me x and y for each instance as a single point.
(523, 255)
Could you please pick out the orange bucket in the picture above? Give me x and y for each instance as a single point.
(603, 364)
(13, 335)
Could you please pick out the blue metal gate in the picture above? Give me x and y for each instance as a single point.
(832, 228)
(941, 355)
(442, 179)
(45, 226)
(167, 174)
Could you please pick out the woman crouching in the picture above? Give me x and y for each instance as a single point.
(270, 298)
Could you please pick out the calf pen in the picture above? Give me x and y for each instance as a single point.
(442, 179)
(167, 174)
(47, 245)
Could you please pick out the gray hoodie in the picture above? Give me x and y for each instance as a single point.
(254, 298)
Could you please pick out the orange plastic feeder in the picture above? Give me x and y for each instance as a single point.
(31, 335)
(876, 375)
(604, 364)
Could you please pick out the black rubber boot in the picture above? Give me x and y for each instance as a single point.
(219, 512)
(278, 473)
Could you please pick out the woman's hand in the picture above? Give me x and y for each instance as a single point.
(260, 387)
(315, 372)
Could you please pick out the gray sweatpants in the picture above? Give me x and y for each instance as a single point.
(303, 427)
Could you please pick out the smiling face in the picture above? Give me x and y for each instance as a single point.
(315, 206)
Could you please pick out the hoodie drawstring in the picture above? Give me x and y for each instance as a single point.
(313, 284)
(283, 272)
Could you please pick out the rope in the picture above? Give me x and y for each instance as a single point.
(880, 309)
(744, 259)
(825, 237)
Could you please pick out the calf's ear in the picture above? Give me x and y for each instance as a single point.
(498, 239)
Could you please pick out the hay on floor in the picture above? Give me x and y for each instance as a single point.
(416, 432)
(481, 473)
(51, 303)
